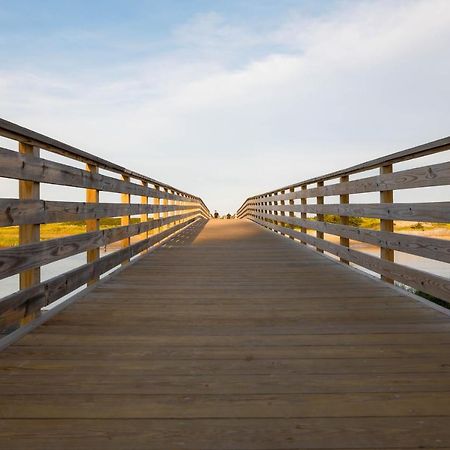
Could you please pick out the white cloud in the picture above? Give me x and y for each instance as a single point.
(231, 111)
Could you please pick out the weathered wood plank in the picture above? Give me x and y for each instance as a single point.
(427, 247)
(429, 148)
(433, 175)
(433, 284)
(224, 434)
(54, 288)
(419, 212)
(16, 259)
(16, 212)
(22, 134)
(232, 337)
(31, 168)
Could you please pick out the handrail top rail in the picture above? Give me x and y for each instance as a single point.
(22, 134)
(402, 155)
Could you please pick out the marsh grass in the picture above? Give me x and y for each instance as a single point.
(9, 236)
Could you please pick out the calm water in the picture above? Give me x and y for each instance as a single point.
(11, 284)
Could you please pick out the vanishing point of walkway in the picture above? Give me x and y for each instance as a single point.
(231, 337)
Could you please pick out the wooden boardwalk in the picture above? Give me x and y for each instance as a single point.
(232, 337)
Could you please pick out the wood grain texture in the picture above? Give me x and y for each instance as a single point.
(17, 259)
(232, 337)
(17, 212)
(32, 168)
(29, 233)
(427, 247)
(424, 281)
(50, 290)
(92, 196)
(419, 151)
(27, 136)
(418, 212)
(387, 225)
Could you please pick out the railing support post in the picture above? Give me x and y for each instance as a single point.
(165, 202)
(157, 214)
(386, 224)
(92, 196)
(320, 217)
(125, 220)
(344, 200)
(303, 215)
(29, 233)
(144, 216)
(291, 213)
(282, 213)
(274, 211)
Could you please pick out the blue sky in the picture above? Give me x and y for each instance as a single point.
(229, 98)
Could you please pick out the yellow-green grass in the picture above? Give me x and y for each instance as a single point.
(9, 236)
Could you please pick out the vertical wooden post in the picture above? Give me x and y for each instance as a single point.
(92, 196)
(125, 220)
(176, 211)
(320, 217)
(344, 200)
(144, 216)
(275, 212)
(157, 214)
(386, 224)
(30, 233)
(165, 202)
(291, 213)
(282, 213)
(303, 215)
(266, 211)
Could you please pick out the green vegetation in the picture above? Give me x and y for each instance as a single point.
(432, 298)
(354, 221)
(418, 226)
(9, 236)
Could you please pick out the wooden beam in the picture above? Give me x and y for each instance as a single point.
(320, 217)
(386, 225)
(31, 168)
(157, 215)
(92, 196)
(125, 220)
(417, 212)
(144, 217)
(50, 290)
(29, 233)
(20, 212)
(433, 284)
(282, 213)
(165, 201)
(291, 214)
(344, 200)
(304, 202)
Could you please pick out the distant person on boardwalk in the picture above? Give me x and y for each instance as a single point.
(216, 215)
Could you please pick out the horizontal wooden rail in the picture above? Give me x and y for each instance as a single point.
(430, 148)
(19, 212)
(42, 294)
(328, 218)
(170, 210)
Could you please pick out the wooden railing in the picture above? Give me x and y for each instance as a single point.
(169, 211)
(288, 210)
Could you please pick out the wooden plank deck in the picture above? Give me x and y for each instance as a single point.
(232, 337)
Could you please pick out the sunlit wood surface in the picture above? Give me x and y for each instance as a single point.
(232, 337)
